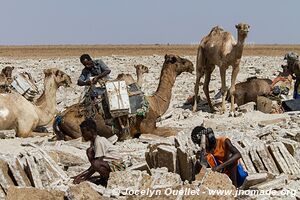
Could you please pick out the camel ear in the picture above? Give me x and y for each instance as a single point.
(12, 68)
(56, 73)
(47, 72)
(166, 56)
(237, 26)
(170, 58)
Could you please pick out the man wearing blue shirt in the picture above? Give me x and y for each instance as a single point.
(94, 70)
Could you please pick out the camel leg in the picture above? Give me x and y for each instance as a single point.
(206, 88)
(29, 133)
(235, 71)
(35, 134)
(223, 88)
(196, 91)
(199, 73)
(147, 127)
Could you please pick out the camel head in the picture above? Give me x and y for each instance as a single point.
(180, 64)
(142, 68)
(242, 29)
(61, 78)
(7, 71)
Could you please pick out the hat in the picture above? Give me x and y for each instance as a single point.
(291, 56)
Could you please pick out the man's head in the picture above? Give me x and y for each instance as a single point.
(88, 129)
(291, 57)
(86, 60)
(210, 139)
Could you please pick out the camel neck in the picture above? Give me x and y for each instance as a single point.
(46, 104)
(239, 47)
(163, 93)
(139, 76)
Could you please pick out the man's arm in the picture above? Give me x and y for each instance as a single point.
(235, 155)
(104, 68)
(103, 74)
(82, 80)
(84, 175)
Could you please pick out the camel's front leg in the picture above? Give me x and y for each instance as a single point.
(25, 133)
(196, 91)
(206, 89)
(223, 88)
(235, 71)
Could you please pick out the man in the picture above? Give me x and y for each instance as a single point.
(220, 154)
(102, 154)
(6, 79)
(94, 70)
(294, 68)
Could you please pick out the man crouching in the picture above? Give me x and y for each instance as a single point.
(220, 154)
(102, 154)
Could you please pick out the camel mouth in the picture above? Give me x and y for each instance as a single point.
(245, 31)
(67, 84)
(190, 71)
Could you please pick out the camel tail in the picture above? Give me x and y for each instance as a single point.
(56, 127)
(200, 60)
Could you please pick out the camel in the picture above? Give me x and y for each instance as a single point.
(18, 113)
(140, 71)
(75, 114)
(220, 48)
(249, 90)
(173, 66)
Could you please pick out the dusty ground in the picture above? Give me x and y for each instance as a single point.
(132, 50)
(262, 61)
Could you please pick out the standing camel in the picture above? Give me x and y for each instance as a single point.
(68, 125)
(220, 48)
(18, 113)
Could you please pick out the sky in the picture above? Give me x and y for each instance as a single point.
(50, 22)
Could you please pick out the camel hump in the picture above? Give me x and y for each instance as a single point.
(216, 30)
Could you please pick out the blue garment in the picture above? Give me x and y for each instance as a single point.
(241, 175)
(297, 89)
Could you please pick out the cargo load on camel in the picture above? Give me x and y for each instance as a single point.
(24, 84)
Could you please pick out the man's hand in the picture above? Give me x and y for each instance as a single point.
(94, 81)
(78, 179)
(217, 168)
(88, 82)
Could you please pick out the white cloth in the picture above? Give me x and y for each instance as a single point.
(104, 148)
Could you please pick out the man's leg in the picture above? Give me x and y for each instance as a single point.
(101, 167)
(232, 169)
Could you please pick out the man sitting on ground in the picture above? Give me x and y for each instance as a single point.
(221, 155)
(102, 154)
